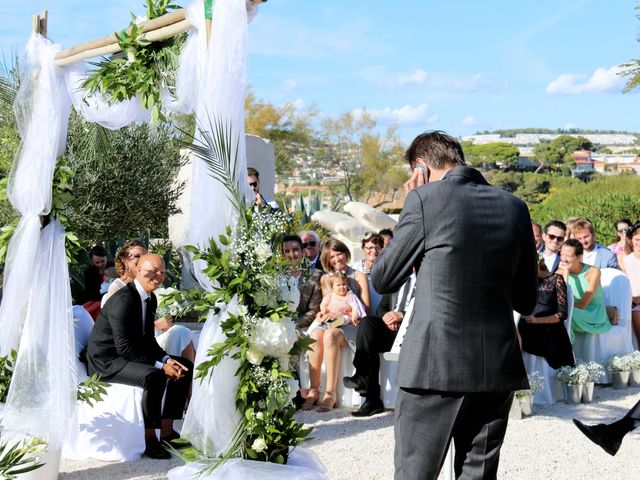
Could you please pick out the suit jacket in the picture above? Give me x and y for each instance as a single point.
(605, 258)
(117, 336)
(476, 261)
(310, 297)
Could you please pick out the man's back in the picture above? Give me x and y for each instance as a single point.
(473, 248)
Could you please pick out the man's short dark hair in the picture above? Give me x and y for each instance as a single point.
(252, 172)
(576, 245)
(97, 251)
(292, 238)
(437, 148)
(386, 232)
(555, 223)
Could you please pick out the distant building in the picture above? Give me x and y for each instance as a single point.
(584, 163)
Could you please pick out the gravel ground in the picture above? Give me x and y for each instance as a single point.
(545, 445)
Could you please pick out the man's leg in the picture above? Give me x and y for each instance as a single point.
(373, 337)
(478, 434)
(176, 398)
(424, 421)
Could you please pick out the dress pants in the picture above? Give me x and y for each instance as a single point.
(426, 420)
(373, 338)
(154, 381)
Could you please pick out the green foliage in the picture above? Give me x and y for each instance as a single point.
(92, 389)
(9, 138)
(7, 364)
(495, 153)
(142, 68)
(557, 153)
(124, 181)
(632, 68)
(603, 200)
(20, 457)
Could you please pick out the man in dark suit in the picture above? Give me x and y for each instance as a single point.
(472, 247)
(122, 349)
(307, 280)
(311, 247)
(553, 237)
(376, 334)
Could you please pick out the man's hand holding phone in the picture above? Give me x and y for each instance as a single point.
(419, 177)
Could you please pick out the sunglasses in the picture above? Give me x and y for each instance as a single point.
(253, 184)
(624, 229)
(312, 243)
(555, 237)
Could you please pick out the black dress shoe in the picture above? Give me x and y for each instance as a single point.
(606, 436)
(368, 408)
(355, 383)
(175, 441)
(156, 451)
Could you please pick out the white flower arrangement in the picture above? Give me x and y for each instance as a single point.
(635, 360)
(573, 375)
(594, 370)
(619, 363)
(172, 303)
(536, 384)
(272, 338)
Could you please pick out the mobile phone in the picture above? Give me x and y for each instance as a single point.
(425, 171)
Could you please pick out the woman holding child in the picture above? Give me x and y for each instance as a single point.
(331, 324)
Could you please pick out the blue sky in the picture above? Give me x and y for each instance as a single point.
(459, 66)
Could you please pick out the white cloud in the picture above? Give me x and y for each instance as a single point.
(406, 115)
(289, 85)
(477, 83)
(469, 120)
(418, 77)
(603, 80)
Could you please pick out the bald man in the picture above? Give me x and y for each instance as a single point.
(122, 349)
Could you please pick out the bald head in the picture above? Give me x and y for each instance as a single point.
(150, 272)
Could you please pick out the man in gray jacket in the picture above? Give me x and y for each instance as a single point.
(473, 249)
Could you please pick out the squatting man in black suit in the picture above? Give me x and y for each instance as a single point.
(122, 349)
(473, 251)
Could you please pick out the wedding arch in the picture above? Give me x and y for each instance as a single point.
(210, 82)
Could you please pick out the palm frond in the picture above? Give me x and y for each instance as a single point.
(214, 148)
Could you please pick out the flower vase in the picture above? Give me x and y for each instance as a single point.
(50, 459)
(634, 378)
(515, 413)
(572, 393)
(526, 404)
(587, 392)
(620, 379)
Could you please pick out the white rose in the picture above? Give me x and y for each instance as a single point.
(263, 251)
(254, 355)
(274, 339)
(260, 298)
(294, 386)
(260, 416)
(259, 445)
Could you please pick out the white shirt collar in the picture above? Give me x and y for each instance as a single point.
(141, 291)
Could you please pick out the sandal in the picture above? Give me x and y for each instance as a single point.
(328, 402)
(311, 400)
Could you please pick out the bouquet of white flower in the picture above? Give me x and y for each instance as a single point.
(594, 370)
(619, 363)
(172, 303)
(573, 375)
(635, 360)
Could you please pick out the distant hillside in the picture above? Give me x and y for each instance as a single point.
(558, 131)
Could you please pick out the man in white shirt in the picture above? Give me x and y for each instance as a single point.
(553, 236)
(595, 254)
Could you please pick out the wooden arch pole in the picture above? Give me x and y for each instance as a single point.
(166, 26)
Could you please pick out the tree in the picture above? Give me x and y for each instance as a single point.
(289, 130)
(344, 141)
(632, 68)
(9, 138)
(502, 154)
(383, 170)
(124, 180)
(557, 153)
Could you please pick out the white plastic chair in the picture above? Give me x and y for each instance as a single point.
(616, 290)
(110, 430)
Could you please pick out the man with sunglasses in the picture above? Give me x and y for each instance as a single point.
(553, 237)
(311, 247)
(253, 178)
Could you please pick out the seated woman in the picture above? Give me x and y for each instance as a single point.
(334, 258)
(621, 246)
(543, 332)
(632, 269)
(589, 311)
(372, 245)
(173, 339)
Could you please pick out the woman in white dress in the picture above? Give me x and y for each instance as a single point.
(174, 339)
